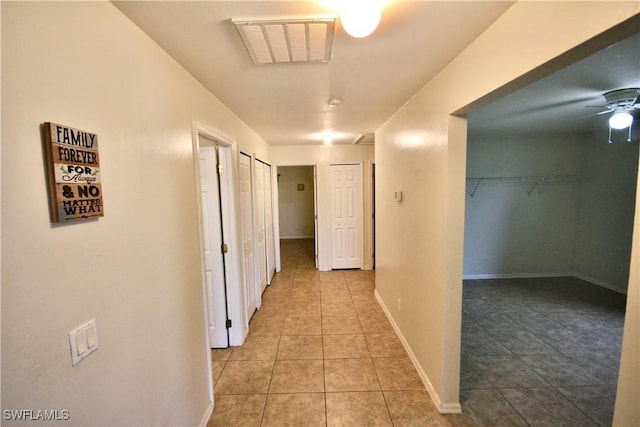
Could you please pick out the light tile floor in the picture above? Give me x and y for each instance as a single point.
(320, 351)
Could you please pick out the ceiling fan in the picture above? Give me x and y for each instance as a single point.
(621, 104)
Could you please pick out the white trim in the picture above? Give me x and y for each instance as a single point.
(207, 415)
(296, 237)
(514, 276)
(203, 282)
(238, 332)
(543, 275)
(600, 283)
(276, 203)
(443, 408)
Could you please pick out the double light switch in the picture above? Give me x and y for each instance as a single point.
(83, 341)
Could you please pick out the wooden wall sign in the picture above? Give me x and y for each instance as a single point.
(75, 188)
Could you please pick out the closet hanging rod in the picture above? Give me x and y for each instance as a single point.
(474, 182)
(530, 178)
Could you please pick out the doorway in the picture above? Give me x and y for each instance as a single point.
(297, 204)
(220, 238)
(547, 248)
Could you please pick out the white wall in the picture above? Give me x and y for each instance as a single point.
(136, 270)
(514, 228)
(295, 206)
(580, 227)
(422, 151)
(607, 204)
(322, 156)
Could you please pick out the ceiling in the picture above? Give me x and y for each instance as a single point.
(287, 104)
(568, 100)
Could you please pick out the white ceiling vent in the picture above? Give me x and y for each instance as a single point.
(287, 40)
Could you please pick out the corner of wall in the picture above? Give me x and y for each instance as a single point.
(443, 407)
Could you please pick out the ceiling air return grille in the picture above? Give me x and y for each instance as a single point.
(287, 40)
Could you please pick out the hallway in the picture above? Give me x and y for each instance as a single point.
(320, 352)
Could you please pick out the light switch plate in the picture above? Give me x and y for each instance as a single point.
(83, 341)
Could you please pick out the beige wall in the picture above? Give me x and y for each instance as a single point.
(137, 269)
(322, 156)
(421, 150)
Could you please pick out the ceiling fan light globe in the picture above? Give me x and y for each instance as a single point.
(360, 17)
(620, 120)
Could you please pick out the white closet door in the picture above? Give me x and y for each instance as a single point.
(347, 221)
(214, 262)
(268, 215)
(260, 228)
(247, 234)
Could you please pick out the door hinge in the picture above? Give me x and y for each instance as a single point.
(228, 323)
(225, 248)
(219, 168)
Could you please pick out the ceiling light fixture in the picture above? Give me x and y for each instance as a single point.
(620, 120)
(328, 140)
(620, 104)
(360, 17)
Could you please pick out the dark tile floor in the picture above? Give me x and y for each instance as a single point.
(540, 351)
(320, 351)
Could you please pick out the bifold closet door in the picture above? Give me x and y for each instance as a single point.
(268, 220)
(247, 234)
(260, 224)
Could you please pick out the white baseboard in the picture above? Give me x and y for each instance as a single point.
(514, 276)
(443, 408)
(207, 415)
(600, 283)
(534, 275)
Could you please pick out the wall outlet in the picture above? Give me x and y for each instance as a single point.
(83, 341)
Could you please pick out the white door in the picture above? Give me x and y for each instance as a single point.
(214, 261)
(247, 234)
(259, 221)
(268, 220)
(346, 218)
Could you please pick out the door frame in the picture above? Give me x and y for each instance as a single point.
(276, 209)
(229, 208)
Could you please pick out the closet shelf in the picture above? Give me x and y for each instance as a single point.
(533, 180)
